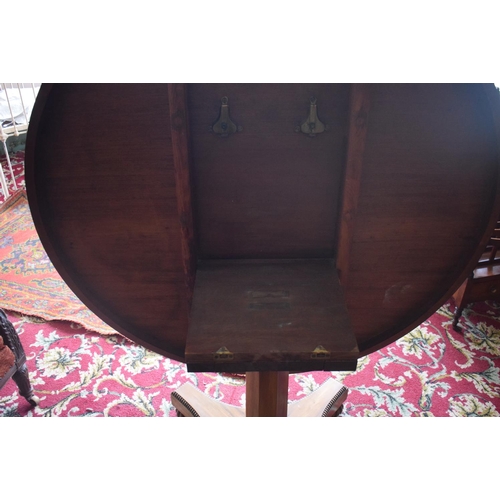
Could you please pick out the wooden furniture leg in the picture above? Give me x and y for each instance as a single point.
(461, 298)
(267, 396)
(456, 318)
(20, 377)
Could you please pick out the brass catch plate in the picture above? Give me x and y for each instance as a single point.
(223, 354)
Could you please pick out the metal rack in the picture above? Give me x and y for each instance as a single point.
(16, 103)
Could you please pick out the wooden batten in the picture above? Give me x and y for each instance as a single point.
(179, 123)
(358, 125)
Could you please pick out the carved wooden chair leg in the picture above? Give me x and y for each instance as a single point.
(21, 378)
(456, 319)
(462, 299)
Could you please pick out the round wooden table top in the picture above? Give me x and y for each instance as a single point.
(130, 188)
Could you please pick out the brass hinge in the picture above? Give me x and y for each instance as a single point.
(222, 354)
(320, 352)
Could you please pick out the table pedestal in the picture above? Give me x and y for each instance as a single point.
(266, 396)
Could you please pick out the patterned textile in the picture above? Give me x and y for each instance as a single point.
(431, 372)
(28, 281)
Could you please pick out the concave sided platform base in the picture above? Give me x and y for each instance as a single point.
(266, 396)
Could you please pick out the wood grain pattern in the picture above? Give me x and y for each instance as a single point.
(358, 125)
(189, 401)
(102, 189)
(109, 196)
(266, 394)
(325, 401)
(179, 126)
(269, 315)
(268, 192)
(427, 197)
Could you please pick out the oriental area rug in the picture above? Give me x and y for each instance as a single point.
(433, 371)
(28, 281)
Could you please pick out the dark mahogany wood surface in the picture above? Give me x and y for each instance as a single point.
(131, 193)
(268, 192)
(428, 194)
(102, 189)
(269, 315)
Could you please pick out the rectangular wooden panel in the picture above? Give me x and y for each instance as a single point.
(255, 315)
(268, 191)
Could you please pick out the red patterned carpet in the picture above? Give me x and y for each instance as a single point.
(432, 371)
